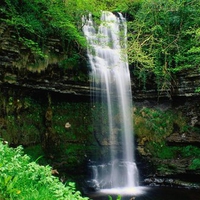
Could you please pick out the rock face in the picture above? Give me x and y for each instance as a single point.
(184, 138)
(177, 159)
(20, 69)
(184, 84)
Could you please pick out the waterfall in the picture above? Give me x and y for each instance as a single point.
(111, 91)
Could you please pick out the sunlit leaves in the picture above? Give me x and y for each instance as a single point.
(165, 36)
(22, 179)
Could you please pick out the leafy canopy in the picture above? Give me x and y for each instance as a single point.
(35, 21)
(163, 36)
(164, 39)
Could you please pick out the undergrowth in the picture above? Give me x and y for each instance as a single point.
(22, 179)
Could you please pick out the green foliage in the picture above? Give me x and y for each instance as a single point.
(155, 124)
(160, 150)
(71, 62)
(37, 21)
(163, 36)
(118, 197)
(77, 115)
(195, 164)
(21, 119)
(163, 151)
(163, 39)
(80, 8)
(77, 138)
(197, 90)
(33, 46)
(22, 179)
(190, 151)
(74, 153)
(36, 154)
(152, 126)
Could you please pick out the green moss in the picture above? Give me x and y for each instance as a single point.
(72, 125)
(155, 124)
(22, 120)
(78, 116)
(163, 151)
(195, 164)
(190, 151)
(160, 150)
(163, 168)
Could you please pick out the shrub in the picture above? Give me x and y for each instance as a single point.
(22, 179)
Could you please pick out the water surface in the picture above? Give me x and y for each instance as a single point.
(154, 193)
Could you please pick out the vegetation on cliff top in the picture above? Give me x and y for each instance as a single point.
(36, 21)
(164, 40)
(163, 35)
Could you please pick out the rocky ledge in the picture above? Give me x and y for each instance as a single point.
(184, 138)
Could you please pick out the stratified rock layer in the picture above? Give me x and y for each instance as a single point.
(20, 69)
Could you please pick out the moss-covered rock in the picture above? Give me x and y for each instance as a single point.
(167, 139)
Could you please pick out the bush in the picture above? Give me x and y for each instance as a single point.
(22, 179)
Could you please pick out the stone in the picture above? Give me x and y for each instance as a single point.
(92, 185)
(67, 125)
(184, 138)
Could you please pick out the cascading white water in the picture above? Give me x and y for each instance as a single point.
(111, 80)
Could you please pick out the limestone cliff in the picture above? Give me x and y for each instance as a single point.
(20, 67)
(21, 72)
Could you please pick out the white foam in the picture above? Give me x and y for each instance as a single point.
(125, 191)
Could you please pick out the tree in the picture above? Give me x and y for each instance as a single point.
(164, 39)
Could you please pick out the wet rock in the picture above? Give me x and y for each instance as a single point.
(169, 181)
(184, 85)
(154, 181)
(172, 182)
(92, 185)
(141, 150)
(184, 138)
